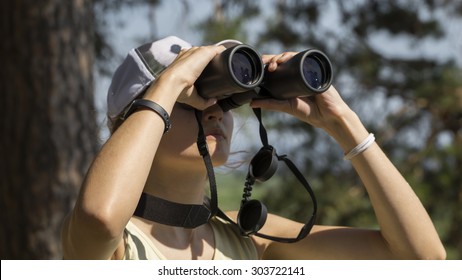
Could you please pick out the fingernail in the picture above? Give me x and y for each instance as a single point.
(212, 101)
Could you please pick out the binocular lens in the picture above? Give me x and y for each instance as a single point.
(313, 72)
(237, 69)
(243, 67)
(306, 74)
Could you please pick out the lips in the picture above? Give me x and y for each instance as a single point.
(216, 133)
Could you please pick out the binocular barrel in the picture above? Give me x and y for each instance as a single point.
(238, 75)
(307, 73)
(236, 69)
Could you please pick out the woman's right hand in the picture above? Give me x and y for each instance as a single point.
(184, 71)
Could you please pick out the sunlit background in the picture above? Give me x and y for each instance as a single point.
(397, 63)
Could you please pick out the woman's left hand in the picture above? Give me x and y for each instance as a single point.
(322, 110)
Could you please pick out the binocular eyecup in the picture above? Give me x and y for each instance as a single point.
(237, 76)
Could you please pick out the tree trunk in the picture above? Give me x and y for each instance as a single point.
(48, 123)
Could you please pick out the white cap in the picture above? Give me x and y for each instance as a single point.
(141, 67)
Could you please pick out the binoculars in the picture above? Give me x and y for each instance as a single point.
(238, 75)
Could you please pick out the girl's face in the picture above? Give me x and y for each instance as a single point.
(178, 147)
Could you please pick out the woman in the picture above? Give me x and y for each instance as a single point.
(140, 158)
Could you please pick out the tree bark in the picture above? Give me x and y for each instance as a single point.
(48, 124)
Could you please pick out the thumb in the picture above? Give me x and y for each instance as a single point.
(193, 99)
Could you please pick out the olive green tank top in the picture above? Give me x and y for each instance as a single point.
(229, 244)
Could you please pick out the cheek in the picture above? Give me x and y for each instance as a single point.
(184, 124)
(182, 136)
(185, 128)
(229, 124)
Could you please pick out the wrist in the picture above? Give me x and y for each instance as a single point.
(163, 91)
(348, 131)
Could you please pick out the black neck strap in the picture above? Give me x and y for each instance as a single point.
(310, 222)
(171, 213)
(305, 230)
(192, 215)
(204, 151)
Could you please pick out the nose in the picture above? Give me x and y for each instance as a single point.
(213, 113)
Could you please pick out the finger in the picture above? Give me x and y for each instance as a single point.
(211, 49)
(185, 51)
(284, 57)
(266, 58)
(203, 103)
(270, 61)
(200, 103)
(272, 66)
(297, 107)
(205, 52)
(274, 60)
(220, 48)
(272, 104)
(278, 58)
(195, 100)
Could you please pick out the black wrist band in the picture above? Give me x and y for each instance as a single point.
(136, 104)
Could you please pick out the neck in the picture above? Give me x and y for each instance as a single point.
(176, 185)
(175, 199)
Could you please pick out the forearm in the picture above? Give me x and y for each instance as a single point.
(118, 175)
(404, 223)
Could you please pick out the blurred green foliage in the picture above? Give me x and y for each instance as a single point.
(412, 102)
(389, 69)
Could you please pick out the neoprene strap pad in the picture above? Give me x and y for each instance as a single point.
(171, 213)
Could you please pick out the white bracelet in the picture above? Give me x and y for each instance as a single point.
(361, 147)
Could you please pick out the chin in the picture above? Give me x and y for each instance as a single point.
(219, 156)
(219, 153)
(219, 161)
